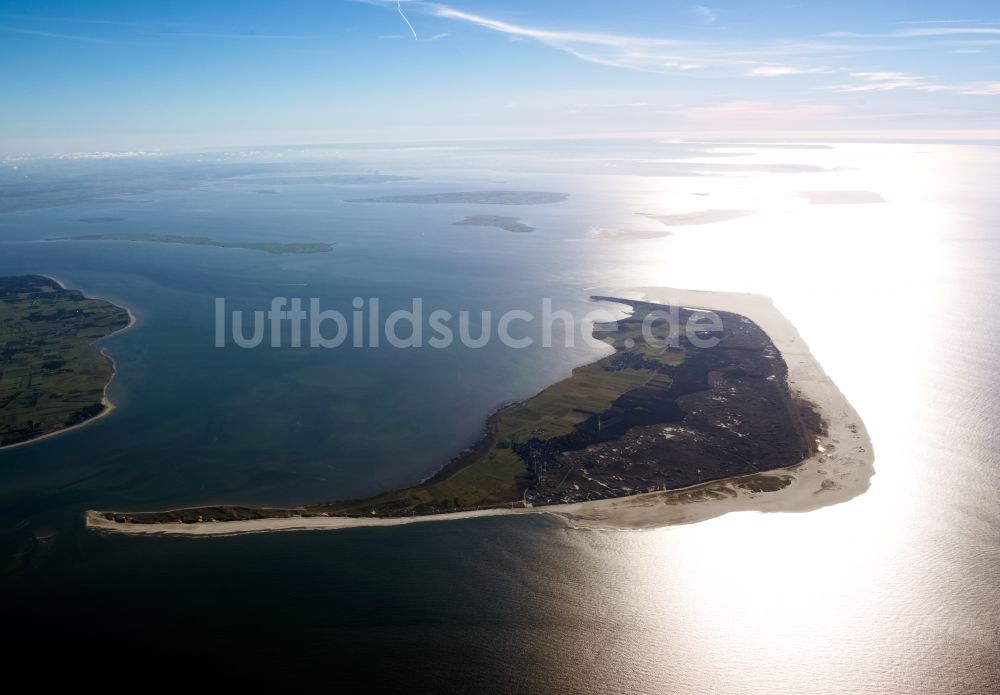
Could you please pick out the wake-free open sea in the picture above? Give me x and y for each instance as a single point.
(896, 591)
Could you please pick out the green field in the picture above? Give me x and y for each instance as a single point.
(509, 224)
(52, 376)
(656, 414)
(492, 472)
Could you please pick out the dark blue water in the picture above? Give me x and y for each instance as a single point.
(894, 592)
(196, 424)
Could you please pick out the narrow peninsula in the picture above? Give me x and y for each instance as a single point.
(842, 197)
(613, 234)
(265, 246)
(324, 179)
(52, 375)
(700, 217)
(640, 438)
(102, 220)
(471, 197)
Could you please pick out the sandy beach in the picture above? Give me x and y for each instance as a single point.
(840, 470)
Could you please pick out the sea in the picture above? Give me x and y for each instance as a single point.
(885, 256)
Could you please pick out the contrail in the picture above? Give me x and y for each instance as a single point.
(399, 8)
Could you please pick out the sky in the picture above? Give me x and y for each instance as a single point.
(119, 76)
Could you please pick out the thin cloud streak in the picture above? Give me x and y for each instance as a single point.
(783, 70)
(57, 35)
(919, 33)
(773, 58)
(614, 50)
(882, 82)
(953, 21)
(892, 81)
(985, 89)
(399, 9)
(250, 36)
(77, 20)
(661, 55)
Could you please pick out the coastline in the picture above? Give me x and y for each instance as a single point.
(109, 406)
(840, 470)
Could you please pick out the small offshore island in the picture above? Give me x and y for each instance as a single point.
(52, 376)
(640, 438)
(508, 224)
(265, 246)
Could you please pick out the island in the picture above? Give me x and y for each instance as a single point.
(699, 217)
(52, 375)
(324, 179)
(265, 246)
(471, 198)
(101, 220)
(508, 224)
(651, 434)
(842, 197)
(613, 234)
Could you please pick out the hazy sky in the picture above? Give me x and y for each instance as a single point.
(186, 75)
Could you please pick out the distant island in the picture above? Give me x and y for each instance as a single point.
(265, 246)
(509, 224)
(842, 197)
(631, 440)
(102, 220)
(473, 197)
(325, 179)
(628, 234)
(52, 376)
(699, 217)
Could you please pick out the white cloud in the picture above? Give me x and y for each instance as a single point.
(891, 81)
(751, 112)
(879, 76)
(954, 21)
(626, 105)
(657, 55)
(882, 82)
(706, 13)
(987, 89)
(991, 89)
(616, 50)
(772, 58)
(919, 33)
(782, 70)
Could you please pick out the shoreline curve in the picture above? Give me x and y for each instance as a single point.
(840, 470)
(109, 406)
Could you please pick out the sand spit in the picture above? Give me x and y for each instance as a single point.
(612, 234)
(842, 197)
(841, 469)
